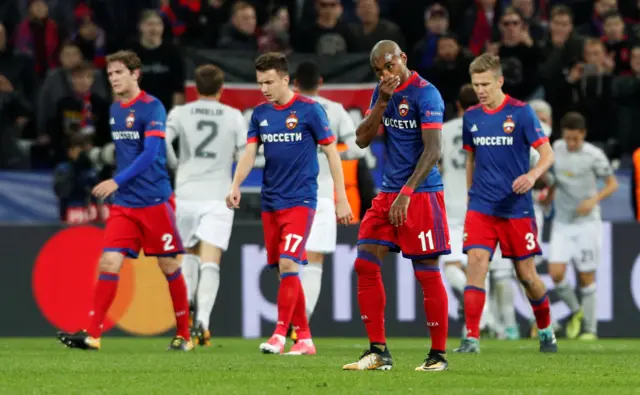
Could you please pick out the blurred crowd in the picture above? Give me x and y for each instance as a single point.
(54, 97)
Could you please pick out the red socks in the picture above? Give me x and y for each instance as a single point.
(542, 311)
(474, 298)
(371, 295)
(436, 304)
(103, 297)
(299, 318)
(288, 293)
(178, 291)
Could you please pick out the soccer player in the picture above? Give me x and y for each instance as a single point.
(322, 238)
(408, 215)
(453, 170)
(211, 134)
(290, 127)
(498, 134)
(576, 232)
(142, 215)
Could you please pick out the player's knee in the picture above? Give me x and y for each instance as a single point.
(367, 262)
(526, 276)
(168, 265)
(557, 272)
(111, 262)
(478, 257)
(586, 278)
(287, 265)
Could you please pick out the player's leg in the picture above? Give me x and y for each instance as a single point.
(589, 242)
(214, 231)
(286, 232)
(519, 242)
(160, 238)
(502, 276)
(563, 250)
(480, 239)
(187, 218)
(376, 238)
(322, 240)
(122, 238)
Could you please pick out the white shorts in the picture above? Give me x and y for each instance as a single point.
(578, 243)
(456, 234)
(322, 237)
(209, 221)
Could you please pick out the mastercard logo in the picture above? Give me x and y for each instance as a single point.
(65, 276)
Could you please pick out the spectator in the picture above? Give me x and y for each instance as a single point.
(595, 28)
(89, 37)
(275, 35)
(627, 91)
(74, 178)
(60, 11)
(591, 85)
(120, 19)
(372, 28)
(450, 70)
(163, 69)
(531, 19)
(80, 112)
(479, 25)
(240, 33)
(328, 35)
(12, 119)
(519, 56)
(410, 17)
(17, 68)
(436, 22)
(37, 36)
(9, 16)
(202, 21)
(562, 49)
(617, 43)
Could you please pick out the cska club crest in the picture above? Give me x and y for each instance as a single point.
(130, 120)
(508, 126)
(403, 107)
(291, 121)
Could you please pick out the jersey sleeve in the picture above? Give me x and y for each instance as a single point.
(467, 138)
(533, 132)
(601, 165)
(319, 125)
(174, 127)
(374, 99)
(431, 108)
(254, 129)
(240, 131)
(156, 122)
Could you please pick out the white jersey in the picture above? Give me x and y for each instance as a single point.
(342, 125)
(210, 133)
(454, 173)
(534, 157)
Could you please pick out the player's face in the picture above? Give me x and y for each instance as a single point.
(122, 80)
(273, 84)
(574, 138)
(390, 65)
(544, 117)
(487, 86)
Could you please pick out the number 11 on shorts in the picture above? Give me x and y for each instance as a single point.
(426, 237)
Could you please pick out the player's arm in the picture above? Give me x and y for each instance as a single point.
(603, 169)
(468, 145)
(470, 168)
(245, 163)
(241, 141)
(368, 128)
(535, 137)
(432, 140)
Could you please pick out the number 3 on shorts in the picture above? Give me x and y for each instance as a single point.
(531, 241)
(167, 239)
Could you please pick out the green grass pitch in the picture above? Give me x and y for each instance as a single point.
(235, 366)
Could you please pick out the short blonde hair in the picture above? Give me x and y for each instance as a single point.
(486, 62)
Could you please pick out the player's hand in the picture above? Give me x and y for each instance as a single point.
(233, 198)
(387, 86)
(523, 184)
(585, 207)
(105, 188)
(399, 210)
(343, 212)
